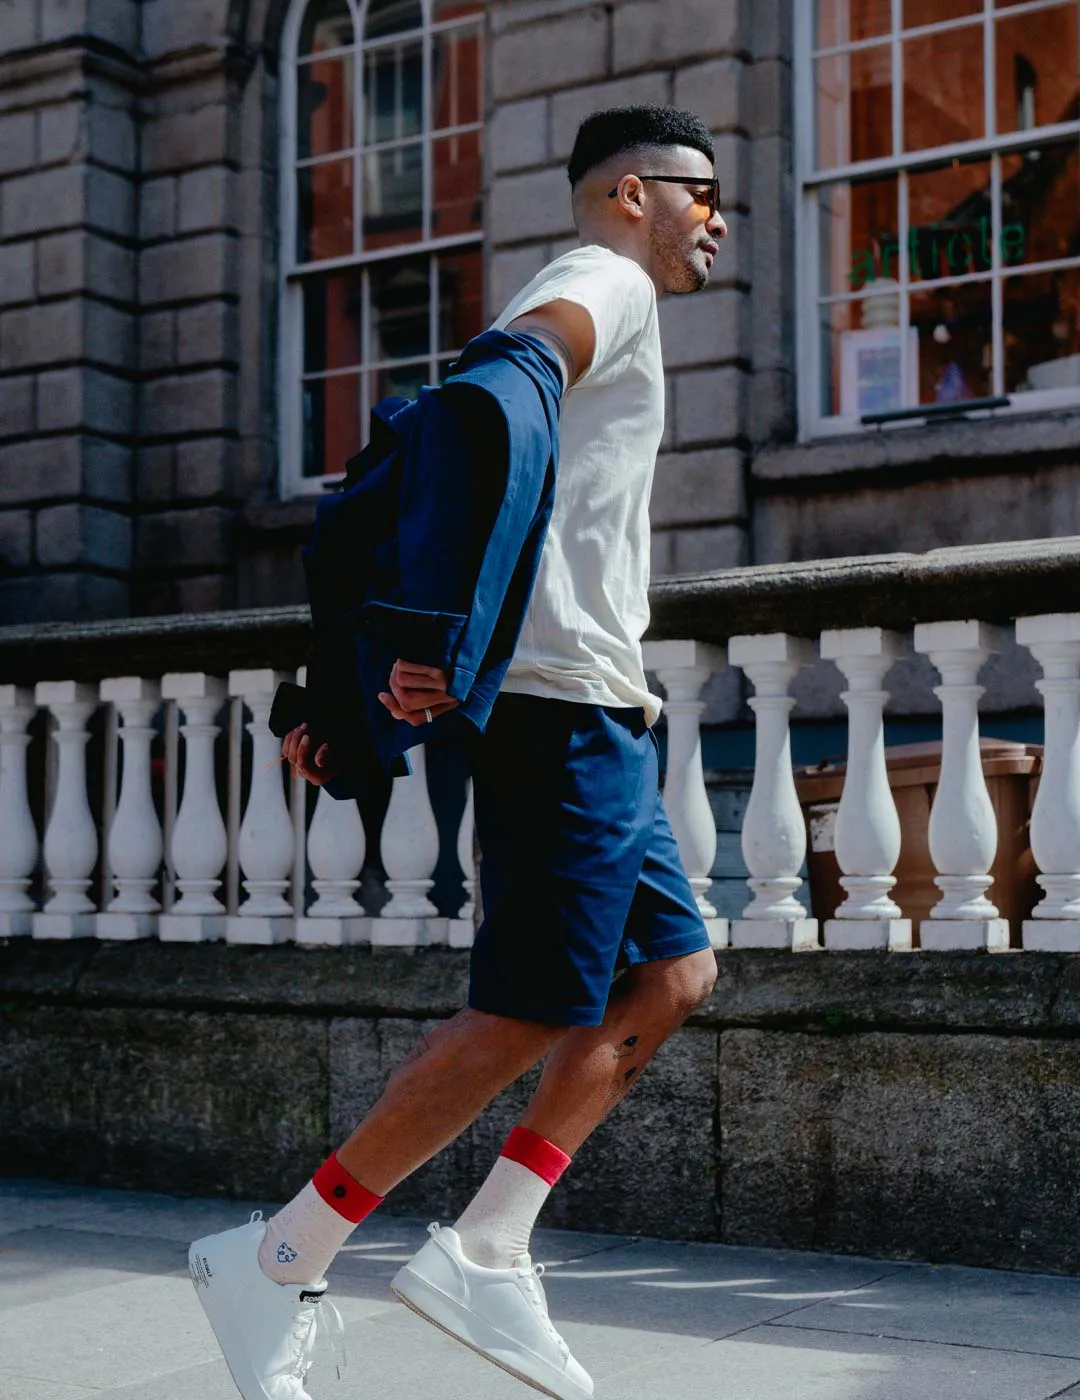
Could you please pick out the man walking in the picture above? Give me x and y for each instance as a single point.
(580, 872)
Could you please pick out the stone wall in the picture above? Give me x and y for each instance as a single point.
(905, 1105)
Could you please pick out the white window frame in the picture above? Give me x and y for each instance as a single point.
(812, 423)
(291, 272)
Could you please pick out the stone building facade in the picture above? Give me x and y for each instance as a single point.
(146, 410)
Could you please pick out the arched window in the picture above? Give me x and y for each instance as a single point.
(381, 259)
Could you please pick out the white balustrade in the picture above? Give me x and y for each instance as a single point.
(1054, 641)
(71, 840)
(963, 828)
(410, 852)
(867, 837)
(135, 841)
(19, 843)
(335, 851)
(265, 846)
(463, 928)
(774, 833)
(683, 668)
(199, 845)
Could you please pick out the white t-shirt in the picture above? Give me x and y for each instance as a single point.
(581, 639)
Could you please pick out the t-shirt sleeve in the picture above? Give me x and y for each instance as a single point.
(619, 299)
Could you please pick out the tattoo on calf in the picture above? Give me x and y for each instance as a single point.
(626, 1048)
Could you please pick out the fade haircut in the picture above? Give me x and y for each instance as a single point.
(609, 133)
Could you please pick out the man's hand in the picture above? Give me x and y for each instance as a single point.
(319, 767)
(417, 693)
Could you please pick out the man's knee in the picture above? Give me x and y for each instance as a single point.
(687, 981)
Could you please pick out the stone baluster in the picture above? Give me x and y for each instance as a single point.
(1054, 640)
(335, 849)
(867, 824)
(683, 667)
(199, 847)
(963, 828)
(19, 844)
(410, 851)
(463, 928)
(71, 841)
(135, 841)
(774, 833)
(265, 845)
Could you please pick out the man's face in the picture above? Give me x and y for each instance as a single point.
(684, 236)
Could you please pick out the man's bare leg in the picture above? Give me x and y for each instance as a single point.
(587, 1073)
(439, 1090)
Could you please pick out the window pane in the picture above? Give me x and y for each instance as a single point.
(392, 17)
(949, 217)
(327, 25)
(845, 21)
(1037, 69)
(333, 310)
(1040, 204)
(1042, 331)
(955, 343)
(393, 93)
(457, 78)
(461, 298)
(398, 381)
(331, 423)
(859, 238)
(860, 345)
(943, 88)
(393, 196)
(400, 309)
(854, 106)
(324, 211)
(324, 102)
(920, 12)
(456, 177)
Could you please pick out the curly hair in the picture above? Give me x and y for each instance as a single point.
(608, 133)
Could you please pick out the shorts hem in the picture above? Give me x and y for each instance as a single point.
(660, 949)
(545, 1015)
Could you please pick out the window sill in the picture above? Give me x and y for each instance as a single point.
(997, 439)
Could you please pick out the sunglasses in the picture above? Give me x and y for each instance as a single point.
(713, 187)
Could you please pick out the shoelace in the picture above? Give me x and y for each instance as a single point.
(320, 1324)
(531, 1277)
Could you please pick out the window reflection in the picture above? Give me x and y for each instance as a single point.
(327, 24)
(950, 221)
(847, 21)
(324, 210)
(324, 107)
(1037, 83)
(854, 106)
(392, 17)
(1042, 331)
(331, 417)
(1040, 198)
(955, 342)
(400, 310)
(943, 88)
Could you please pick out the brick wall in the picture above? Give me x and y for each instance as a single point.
(138, 274)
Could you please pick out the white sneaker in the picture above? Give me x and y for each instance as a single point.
(501, 1313)
(266, 1330)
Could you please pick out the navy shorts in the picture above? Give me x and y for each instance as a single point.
(579, 871)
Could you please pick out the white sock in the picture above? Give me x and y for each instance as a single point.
(497, 1223)
(302, 1239)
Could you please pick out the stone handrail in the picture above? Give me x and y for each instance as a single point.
(227, 846)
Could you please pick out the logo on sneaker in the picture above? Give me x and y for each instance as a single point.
(285, 1253)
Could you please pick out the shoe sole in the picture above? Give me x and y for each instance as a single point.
(442, 1312)
(249, 1387)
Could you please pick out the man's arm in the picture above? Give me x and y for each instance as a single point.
(568, 329)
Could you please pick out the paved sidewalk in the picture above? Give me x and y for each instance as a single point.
(95, 1302)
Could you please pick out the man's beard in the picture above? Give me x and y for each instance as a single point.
(681, 273)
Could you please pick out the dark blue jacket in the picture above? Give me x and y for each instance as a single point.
(430, 551)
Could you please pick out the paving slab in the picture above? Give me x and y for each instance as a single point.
(1018, 1312)
(95, 1302)
(770, 1363)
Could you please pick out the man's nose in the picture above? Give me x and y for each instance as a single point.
(717, 225)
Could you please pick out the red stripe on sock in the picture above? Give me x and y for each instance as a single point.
(343, 1193)
(540, 1156)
